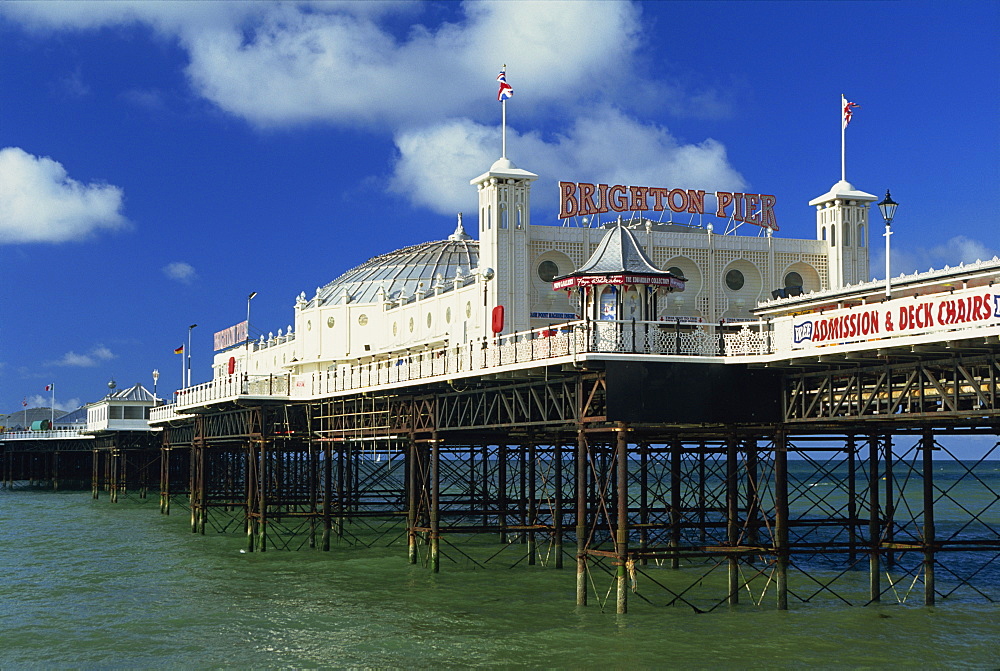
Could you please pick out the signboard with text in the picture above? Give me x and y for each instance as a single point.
(584, 199)
(234, 335)
(970, 308)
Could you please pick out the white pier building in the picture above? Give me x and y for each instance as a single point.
(463, 306)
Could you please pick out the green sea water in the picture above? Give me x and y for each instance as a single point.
(91, 584)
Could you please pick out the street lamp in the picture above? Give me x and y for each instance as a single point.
(156, 377)
(888, 209)
(189, 355)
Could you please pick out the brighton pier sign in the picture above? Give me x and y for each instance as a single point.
(578, 199)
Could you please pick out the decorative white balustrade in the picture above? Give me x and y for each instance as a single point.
(779, 338)
(43, 435)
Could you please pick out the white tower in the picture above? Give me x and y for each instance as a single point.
(504, 217)
(842, 223)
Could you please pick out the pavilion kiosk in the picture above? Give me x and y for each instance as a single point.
(618, 288)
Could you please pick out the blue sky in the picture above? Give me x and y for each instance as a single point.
(159, 161)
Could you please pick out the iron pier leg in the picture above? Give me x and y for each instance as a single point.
(890, 506)
(327, 484)
(502, 491)
(313, 489)
(874, 533)
(643, 498)
(752, 493)
(532, 511)
(928, 468)
(557, 512)
(581, 518)
(675, 500)
(852, 504)
(342, 449)
(435, 504)
(732, 517)
(621, 533)
(413, 496)
(781, 516)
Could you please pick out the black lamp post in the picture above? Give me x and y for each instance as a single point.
(888, 209)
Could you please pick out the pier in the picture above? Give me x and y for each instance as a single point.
(767, 473)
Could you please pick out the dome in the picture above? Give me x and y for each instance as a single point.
(401, 272)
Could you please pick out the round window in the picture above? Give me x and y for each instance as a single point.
(411, 324)
(330, 321)
(547, 270)
(675, 271)
(362, 320)
(793, 279)
(447, 316)
(428, 320)
(468, 309)
(734, 280)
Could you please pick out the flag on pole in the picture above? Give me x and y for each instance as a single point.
(848, 112)
(25, 402)
(179, 350)
(505, 92)
(49, 387)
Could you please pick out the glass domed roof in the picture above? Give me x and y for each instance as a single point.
(402, 272)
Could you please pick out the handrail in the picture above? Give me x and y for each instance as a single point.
(570, 339)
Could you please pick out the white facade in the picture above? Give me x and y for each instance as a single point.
(513, 263)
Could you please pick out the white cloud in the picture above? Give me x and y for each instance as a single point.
(180, 271)
(39, 401)
(955, 250)
(97, 355)
(435, 163)
(39, 202)
(376, 65)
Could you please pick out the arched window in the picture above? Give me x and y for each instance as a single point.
(793, 279)
(824, 233)
(833, 235)
(735, 280)
(847, 235)
(547, 270)
(503, 216)
(861, 235)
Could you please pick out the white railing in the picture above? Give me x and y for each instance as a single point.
(969, 312)
(42, 435)
(571, 338)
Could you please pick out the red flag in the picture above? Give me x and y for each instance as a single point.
(505, 92)
(848, 112)
(48, 387)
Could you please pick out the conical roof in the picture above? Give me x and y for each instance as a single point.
(619, 259)
(619, 252)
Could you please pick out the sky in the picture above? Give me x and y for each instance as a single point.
(160, 161)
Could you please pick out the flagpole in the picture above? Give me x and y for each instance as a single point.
(843, 128)
(503, 125)
(52, 409)
(503, 120)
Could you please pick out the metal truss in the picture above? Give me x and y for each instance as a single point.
(960, 387)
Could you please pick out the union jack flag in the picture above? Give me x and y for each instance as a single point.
(848, 112)
(505, 92)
